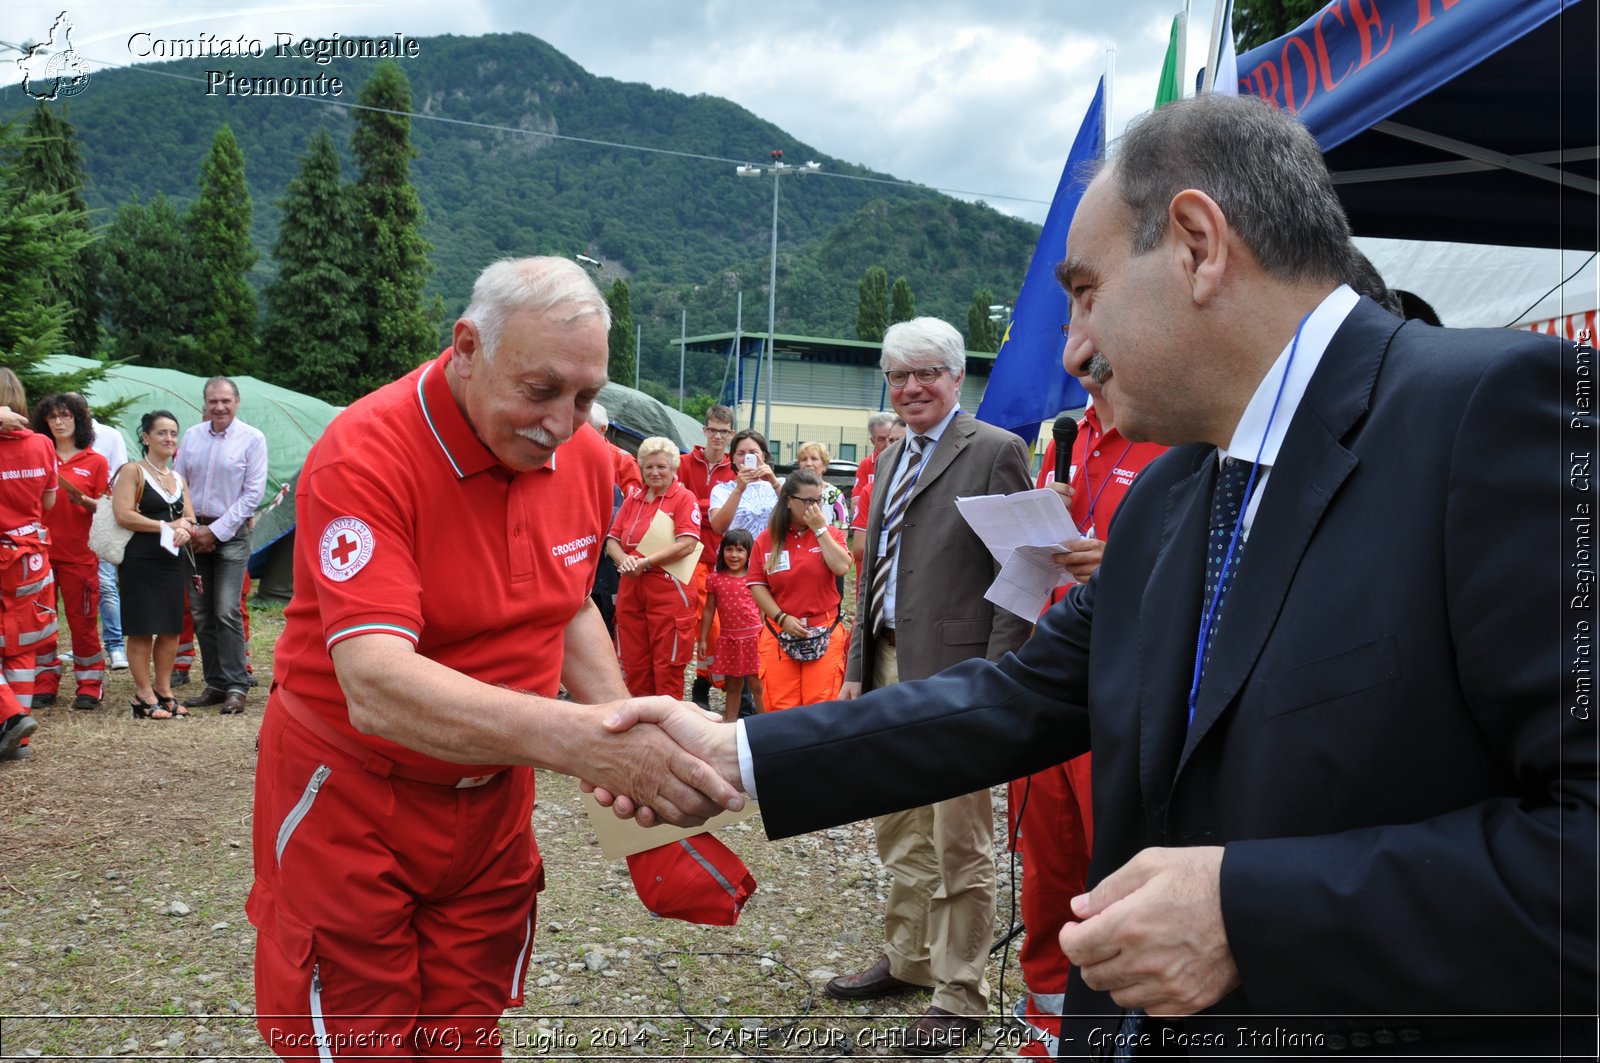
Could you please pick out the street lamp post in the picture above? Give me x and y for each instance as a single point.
(776, 169)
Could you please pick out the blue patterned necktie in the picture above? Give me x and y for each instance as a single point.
(1227, 499)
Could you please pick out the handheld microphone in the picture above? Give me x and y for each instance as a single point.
(1065, 432)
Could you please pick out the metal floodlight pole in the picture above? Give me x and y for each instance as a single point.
(683, 342)
(776, 172)
(638, 345)
(772, 302)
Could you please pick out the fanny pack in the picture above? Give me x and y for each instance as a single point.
(808, 647)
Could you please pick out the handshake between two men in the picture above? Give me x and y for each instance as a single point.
(683, 786)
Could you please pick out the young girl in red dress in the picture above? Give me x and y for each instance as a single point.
(738, 655)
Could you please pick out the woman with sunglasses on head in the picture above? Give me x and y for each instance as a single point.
(794, 572)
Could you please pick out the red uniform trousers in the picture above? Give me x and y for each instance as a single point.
(185, 659)
(656, 629)
(79, 583)
(1057, 830)
(397, 916)
(787, 683)
(27, 620)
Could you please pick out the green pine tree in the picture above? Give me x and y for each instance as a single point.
(903, 304)
(1255, 22)
(315, 328)
(152, 287)
(872, 306)
(402, 325)
(40, 235)
(621, 338)
(981, 332)
(219, 223)
(50, 163)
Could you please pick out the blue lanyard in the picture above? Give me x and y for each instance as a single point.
(1238, 525)
(1094, 499)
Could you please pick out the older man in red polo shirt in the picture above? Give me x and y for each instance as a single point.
(450, 524)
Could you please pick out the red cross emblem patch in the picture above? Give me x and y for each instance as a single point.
(346, 548)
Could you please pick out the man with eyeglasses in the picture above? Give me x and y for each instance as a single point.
(921, 609)
(700, 470)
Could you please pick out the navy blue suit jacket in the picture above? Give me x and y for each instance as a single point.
(1381, 742)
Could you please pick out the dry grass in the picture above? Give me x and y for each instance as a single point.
(113, 819)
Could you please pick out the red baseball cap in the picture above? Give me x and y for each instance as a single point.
(696, 879)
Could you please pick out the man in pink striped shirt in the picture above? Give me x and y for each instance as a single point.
(223, 462)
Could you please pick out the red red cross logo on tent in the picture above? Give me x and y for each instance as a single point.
(346, 548)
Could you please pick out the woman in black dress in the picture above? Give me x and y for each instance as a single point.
(149, 497)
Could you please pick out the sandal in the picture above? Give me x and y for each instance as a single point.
(173, 706)
(147, 710)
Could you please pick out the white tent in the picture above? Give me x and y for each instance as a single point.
(1483, 286)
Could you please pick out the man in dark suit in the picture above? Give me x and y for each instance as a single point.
(921, 609)
(1344, 783)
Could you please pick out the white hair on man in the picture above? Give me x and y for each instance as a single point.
(599, 420)
(923, 341)
(543, 286)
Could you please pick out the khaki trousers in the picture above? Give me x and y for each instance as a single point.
(940, 917)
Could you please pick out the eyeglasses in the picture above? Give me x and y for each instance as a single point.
(899, 378)
(719, 431)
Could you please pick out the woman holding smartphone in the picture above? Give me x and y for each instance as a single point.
(746, 501)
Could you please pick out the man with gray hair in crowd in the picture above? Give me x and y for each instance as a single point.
(450, 525)
(883, 428)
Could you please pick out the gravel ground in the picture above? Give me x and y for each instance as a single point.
(125, 862)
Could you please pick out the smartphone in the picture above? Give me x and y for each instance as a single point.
(750, 461)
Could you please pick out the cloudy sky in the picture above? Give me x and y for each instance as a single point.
(974, 97)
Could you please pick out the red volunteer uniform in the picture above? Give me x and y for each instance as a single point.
(77, 573)
(656, 616)
(1057, 812)
(627, 469)
(861, 494)
(27, 588)
(804, 587)
(395, 893)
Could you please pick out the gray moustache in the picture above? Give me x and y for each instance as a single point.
(1098, 368)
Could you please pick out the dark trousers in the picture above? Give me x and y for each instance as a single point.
(218, 616)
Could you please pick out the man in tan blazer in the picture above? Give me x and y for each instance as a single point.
(921, 609)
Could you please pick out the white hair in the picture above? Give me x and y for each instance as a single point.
(656, 445)
(598, 419)
(544, 286)
(915, 342)
(882, 419)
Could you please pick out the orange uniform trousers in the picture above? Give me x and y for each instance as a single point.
(786, 683)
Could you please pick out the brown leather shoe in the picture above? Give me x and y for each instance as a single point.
(875, 981)
(211, 696)
(937, 1032)
(233, 703)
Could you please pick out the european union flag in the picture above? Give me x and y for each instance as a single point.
(1028, 385)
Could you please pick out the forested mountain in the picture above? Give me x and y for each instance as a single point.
(685, 232)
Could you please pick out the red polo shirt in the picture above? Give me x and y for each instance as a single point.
(636, 514)
(700, 476)
(69, 522)
(627, 469)
(806, 587)
(1105, 465)
(861, 494)
(27, 472)
(409, 526)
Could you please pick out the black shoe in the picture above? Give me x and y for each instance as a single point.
(13, 731)
(180, 679)
(747, 703)
(20, 753)
(86, 701)
(700, 692)
(44, 701)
